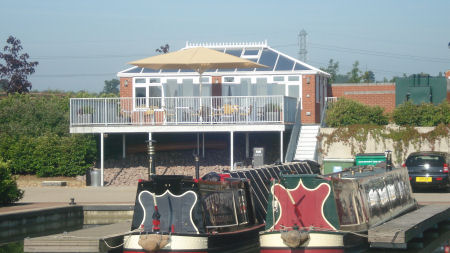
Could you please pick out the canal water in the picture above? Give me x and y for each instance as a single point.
(435, 240)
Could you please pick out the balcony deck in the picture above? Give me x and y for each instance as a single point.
(182, 114)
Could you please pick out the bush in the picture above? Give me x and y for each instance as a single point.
(49, 154)
(346, 112)
(425, 114)
(9, 193)
(35, 138)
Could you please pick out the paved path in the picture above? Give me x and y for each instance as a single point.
(125, 194)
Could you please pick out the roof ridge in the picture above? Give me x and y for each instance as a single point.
(227, 44)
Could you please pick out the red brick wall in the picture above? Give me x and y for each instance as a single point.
(381, 94)
(309, 99)
(126, 92)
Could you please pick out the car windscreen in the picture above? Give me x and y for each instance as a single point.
(431, 160)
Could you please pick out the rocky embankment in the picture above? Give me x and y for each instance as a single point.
(126, 172)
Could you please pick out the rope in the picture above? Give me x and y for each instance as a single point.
(311, 228)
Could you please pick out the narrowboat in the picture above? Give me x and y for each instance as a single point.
(332, 213)
(217, 213)
(182, 214)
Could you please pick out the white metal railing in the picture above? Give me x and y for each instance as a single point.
(182, 110)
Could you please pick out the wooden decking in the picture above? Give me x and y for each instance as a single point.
(85, 240)
(398, 232)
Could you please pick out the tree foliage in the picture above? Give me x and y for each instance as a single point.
(368, 77)
(34, 136)
(111, 87)
(163, 49)
(354, 76)
(346, 112)
(425, 114)
(332, 69)
(9, 192)
(16, 69)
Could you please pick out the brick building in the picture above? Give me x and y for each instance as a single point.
(381, 94)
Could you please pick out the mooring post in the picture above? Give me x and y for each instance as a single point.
(151, 161)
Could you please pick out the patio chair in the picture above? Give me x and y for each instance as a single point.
(229, 112)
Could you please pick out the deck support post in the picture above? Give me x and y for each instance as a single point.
(203, 145)
(247, 153)
(231, 150)
(102, 149)
(198, 144)
(123, 146)
(281, 147)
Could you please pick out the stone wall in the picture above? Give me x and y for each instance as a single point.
(344, 151)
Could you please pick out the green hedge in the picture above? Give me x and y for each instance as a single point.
(9, 193)
(426, 114)
(35, 138)
(346, 112)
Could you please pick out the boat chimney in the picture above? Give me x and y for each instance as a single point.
(151, 161)
(197, 166)
(388, 160)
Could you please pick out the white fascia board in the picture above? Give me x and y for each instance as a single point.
(177, 128)
(316, 70)
(237, 74)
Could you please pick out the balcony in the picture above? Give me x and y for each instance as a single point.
(182, 111)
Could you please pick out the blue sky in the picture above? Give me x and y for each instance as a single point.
(79, 44)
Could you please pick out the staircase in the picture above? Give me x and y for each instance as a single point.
(307, 143)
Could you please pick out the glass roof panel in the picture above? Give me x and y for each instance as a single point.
(169, 70)
(248, 69)
(235, 52)
(134, 70)
(299, 66)
(268, 58)
(226, 70)
(251, 52)
(150, 71)
(284, 63)
(187, 70)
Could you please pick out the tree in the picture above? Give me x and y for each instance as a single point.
(332, 69)
(355, 74)
(111, 87)
(163, 49)
(368, 77)
(15, 71)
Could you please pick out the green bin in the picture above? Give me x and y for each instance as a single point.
(370, 158)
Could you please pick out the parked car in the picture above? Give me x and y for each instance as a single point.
(428, 168)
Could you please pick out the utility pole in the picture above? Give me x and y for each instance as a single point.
(302, 45)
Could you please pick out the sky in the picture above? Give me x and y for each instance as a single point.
(80, 44)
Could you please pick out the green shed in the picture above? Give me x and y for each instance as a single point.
(420, 89)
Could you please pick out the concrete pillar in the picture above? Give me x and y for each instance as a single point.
(198, 143)
(203, 145)
(247, 145)
(102, 149)
(281, 147)
(123, 146)
(231, 150)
